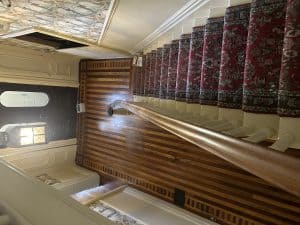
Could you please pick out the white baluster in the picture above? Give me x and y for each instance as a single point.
(260, 135)
(239, 132)
(283, 143)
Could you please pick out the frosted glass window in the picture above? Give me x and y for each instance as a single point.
(24, 99)
(32, 135)
(26, 135)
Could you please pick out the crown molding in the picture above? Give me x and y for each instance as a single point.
(189, 8)
(111, 11)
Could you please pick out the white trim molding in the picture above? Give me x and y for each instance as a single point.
(111, 11)
(168, 207)
(11, 152)
(189, 8)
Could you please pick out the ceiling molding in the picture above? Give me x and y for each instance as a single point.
(43, 30)
(90, 45)
(181, 14)
(111, 11)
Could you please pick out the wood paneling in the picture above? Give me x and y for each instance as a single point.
(254, 158)
(157, 162)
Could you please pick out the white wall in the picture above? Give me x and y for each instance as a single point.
(212, 8)
(41, 156)
(26, 66)
(40, 204)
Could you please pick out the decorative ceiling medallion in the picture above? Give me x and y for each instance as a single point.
(76, 18)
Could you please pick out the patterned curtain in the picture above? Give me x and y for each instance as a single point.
(211, 61)
(236, 22)
(195, 65)
(182, 67)
(289, 85)
(263, 56)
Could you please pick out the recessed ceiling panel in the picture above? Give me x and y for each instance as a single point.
(48, 40)
(77, 18)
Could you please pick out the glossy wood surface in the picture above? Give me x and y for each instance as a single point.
(278, 168)
(156, 161)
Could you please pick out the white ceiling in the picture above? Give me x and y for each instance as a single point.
(130, 23)
(136, 19)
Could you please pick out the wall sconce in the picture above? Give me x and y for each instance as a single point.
(115, 109)
(20, 135)
(138, 60)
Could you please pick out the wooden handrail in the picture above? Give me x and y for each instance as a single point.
(277, 168)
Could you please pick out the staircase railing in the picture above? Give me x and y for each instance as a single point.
(275, 167)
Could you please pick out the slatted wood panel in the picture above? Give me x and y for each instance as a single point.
(157, 162)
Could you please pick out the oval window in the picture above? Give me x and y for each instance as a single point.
(24, 99)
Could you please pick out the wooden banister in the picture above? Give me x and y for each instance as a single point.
(277, 168)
